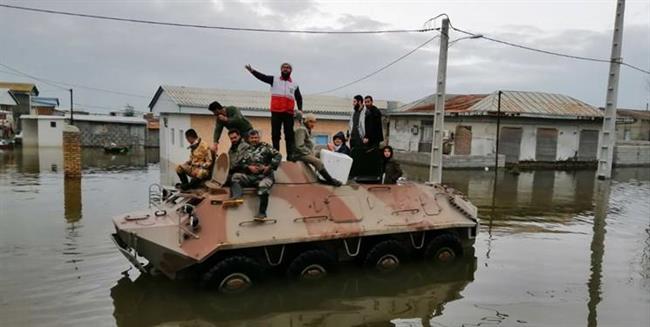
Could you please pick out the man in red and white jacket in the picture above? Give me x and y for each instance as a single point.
(285, 95)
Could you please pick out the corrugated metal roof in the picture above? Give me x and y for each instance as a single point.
(202, 97)
(6, 98)
(452, 103)
(519, 103)
(20, 87)
(45, 102)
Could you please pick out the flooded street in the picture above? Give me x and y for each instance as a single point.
(554, 248)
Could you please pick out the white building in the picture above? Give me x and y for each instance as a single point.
(534, 127)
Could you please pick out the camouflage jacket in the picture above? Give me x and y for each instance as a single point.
(236, 154)
(200, 155)
(260, 154)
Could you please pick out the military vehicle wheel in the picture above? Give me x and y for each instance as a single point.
(385, 256)
(444, 249)
(311, 265)
(232, 275)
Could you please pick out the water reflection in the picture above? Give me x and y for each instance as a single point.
(597, 250)
(350, 298)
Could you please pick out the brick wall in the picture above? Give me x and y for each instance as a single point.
(71, 152)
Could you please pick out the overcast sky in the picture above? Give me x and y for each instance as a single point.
(136, 58)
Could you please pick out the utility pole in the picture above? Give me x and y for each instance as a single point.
(435, 169)
(608, 132)
(71, 109)
(496, 153)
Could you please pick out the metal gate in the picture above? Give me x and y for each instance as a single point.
(546, 146)
(588, 146)
(509, 143)
(463, 140)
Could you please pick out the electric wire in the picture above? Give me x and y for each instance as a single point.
(482, 36)
(213, 27)
(380, 69)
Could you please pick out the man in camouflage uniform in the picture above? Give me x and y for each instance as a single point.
(237, 149)
(256, 169)
(198, 166)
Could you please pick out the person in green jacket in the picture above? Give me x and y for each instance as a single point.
(304, 147)
(230, 118)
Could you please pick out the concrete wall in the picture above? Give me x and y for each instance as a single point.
(632, 153)
(99, 134)
(406, 131)
(449, 162)
(50, 132)
(23, 108)
(30, 132)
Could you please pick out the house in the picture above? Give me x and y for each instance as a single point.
(632, 125)
(22, 92)
(45, 106)
(95, 130)
(181, 108)
(535, 127)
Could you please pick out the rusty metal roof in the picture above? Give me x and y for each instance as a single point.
(453, 102)
(516, 103)
(20, 87)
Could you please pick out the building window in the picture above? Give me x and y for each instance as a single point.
(180, 138)
(321, 139)
(426, 137)
(172, 136)
(52, 124)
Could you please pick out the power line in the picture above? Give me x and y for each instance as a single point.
(59, 83)
(213, 27)
(381, 68)
(482, 36)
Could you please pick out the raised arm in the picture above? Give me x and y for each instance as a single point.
(298, 98)
(264, 78)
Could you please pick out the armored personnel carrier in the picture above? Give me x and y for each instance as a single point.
(311, 228)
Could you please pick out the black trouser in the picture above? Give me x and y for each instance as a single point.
(282, 120)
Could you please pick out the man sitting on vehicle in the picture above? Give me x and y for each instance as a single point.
(198, 166)
(256, 169)
(238, 148)
(304, 147)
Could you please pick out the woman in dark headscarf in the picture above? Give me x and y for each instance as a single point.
(392, 170)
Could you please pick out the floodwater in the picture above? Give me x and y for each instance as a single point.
(554, 248)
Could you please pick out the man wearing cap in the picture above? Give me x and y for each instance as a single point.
(305, 147)
(230, 118)
(256, 169)
(285, 95)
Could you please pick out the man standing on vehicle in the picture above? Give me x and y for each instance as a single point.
(285, 95)
(356, 132)
(256, 169)
(230, 118)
